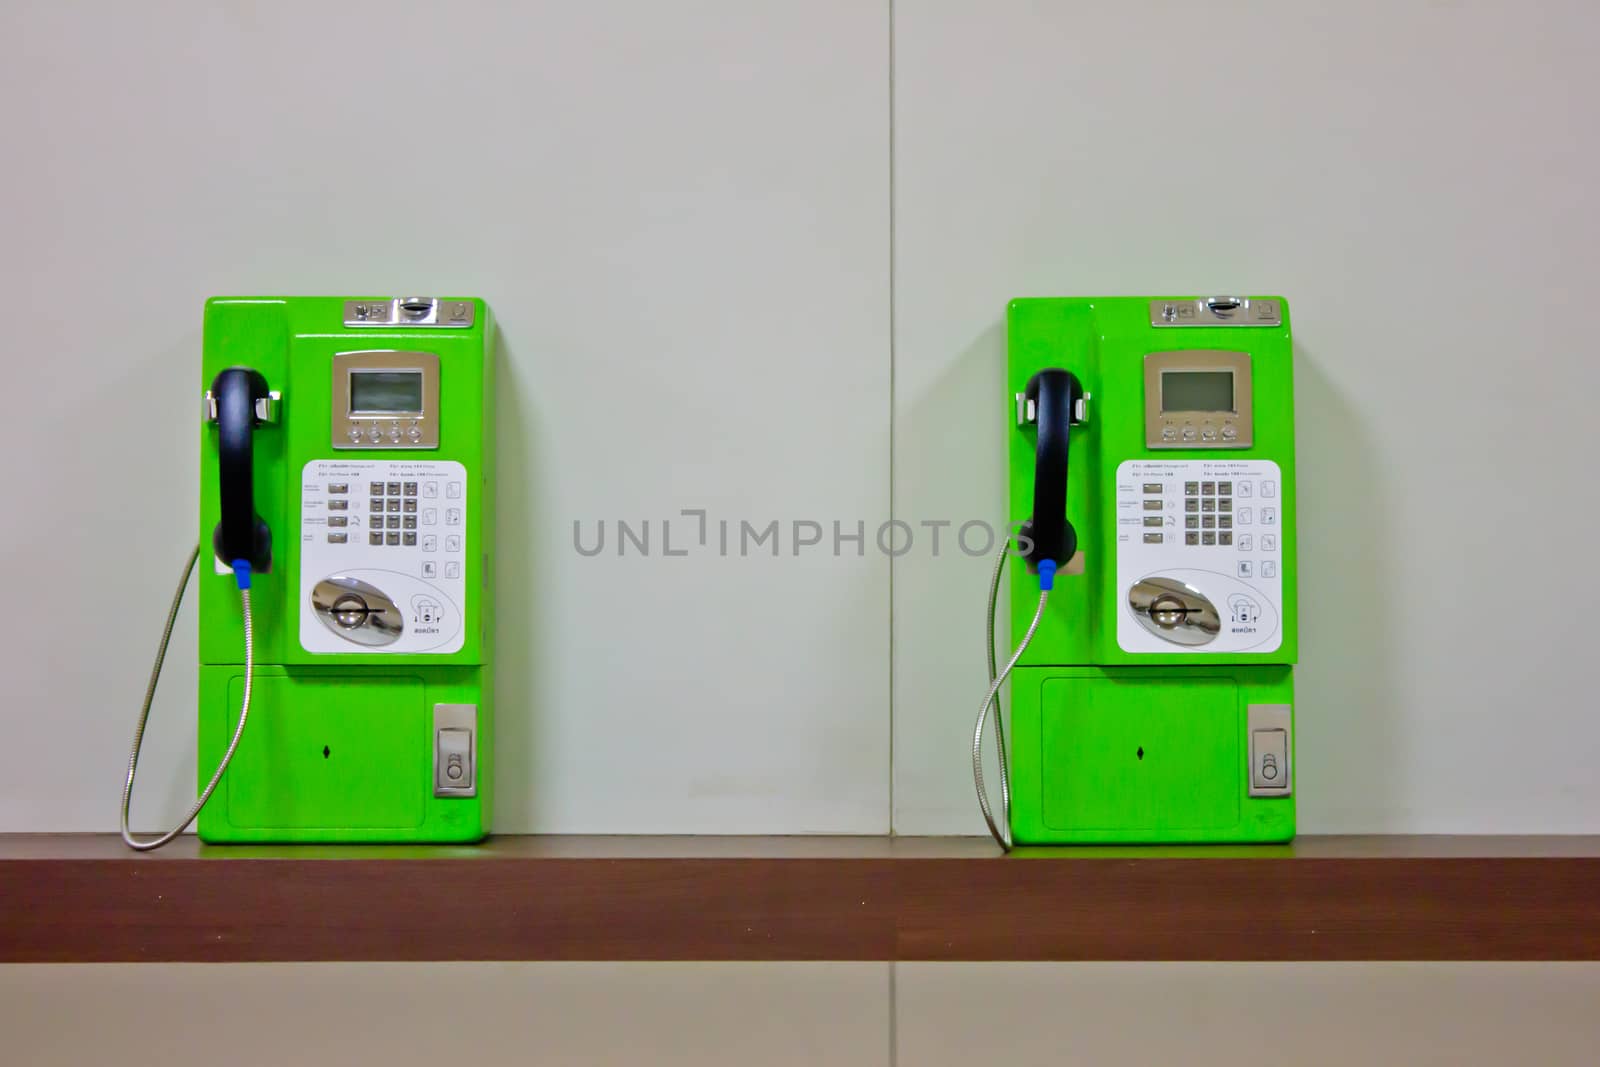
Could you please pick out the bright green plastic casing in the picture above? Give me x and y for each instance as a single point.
(1117, 746)
(339, 746)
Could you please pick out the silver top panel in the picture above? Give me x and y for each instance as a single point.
(1217, 311)
(410, 311)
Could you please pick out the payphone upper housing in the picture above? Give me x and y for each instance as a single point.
(1154, 703)
(373, 712)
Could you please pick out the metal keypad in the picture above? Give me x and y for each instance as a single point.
(1208, 517)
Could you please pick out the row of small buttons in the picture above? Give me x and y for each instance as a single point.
(1189, 433)
(1269, 488)
(374, 432)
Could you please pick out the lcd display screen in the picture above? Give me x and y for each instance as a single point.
(1197, 390)
(383, 392)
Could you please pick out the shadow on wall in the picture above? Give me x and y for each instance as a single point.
(519, 643)
(949, 464)
(1348, 750)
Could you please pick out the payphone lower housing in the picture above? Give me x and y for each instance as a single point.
(1149, 755)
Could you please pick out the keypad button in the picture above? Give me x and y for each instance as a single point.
(338, 505)
(394, 505)
(1225, 488)
(410, 522)
(411, 489)
(1191, 538)
(1152, 520)
(409, 538)
(1208, 504)
(1152, 487)
(1225, 522)
(410, 507)
(1191, 522)
(394, 522)
(375, 505)
(374, 538)
(338, 538)
(339, 487)
(1209, 522)
(393, 539)
(1225, 503)
(1225, 538)
(1191, 488)
(1152, 539)
(375, 489)
(338, 520)
(1208, 488)
(1152, 505)
(1191, 505)
(394, 488)
(1208, 537)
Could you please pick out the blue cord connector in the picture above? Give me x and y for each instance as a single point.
(1047, 575)
(241, 573)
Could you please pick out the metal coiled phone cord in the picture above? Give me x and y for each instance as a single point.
(242, 572)
(993, 700)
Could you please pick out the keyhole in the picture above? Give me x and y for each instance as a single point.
(1140, 753)
(324, 751)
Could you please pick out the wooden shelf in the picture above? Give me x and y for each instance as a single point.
(83, 898)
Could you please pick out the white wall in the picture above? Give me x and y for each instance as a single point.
(1419, 180)
(677, 209)
(678, 212)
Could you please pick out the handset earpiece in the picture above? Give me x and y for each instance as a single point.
(1056, 399)
(237, 398)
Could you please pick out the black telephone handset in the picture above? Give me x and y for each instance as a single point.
(1055, 397)
(241, 534)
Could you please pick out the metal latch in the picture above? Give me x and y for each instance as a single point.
(269, 408)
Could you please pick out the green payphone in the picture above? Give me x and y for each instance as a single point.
(1151, 461)
(346, 513)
